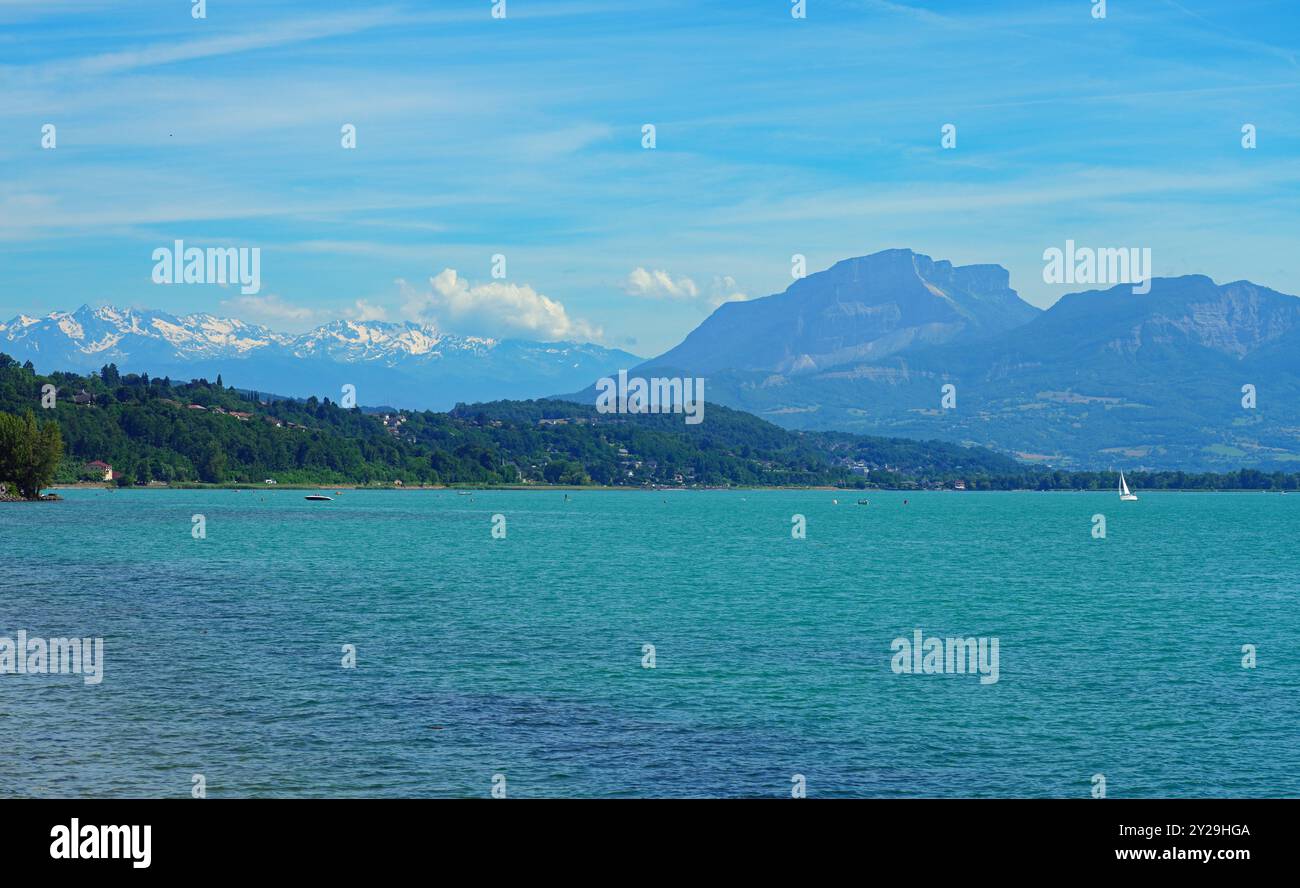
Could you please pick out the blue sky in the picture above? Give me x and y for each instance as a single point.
(522, 136)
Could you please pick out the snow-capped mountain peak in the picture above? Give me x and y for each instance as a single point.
(409, 364)
(373, 340)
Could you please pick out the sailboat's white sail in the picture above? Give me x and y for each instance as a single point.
(1123, 489)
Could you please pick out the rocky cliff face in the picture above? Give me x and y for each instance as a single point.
(858, 310)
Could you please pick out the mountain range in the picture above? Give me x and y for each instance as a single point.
(1099, 379)
(406, 364)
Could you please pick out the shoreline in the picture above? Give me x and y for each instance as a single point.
(848, 493)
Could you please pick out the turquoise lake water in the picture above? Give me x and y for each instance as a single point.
(523, 656)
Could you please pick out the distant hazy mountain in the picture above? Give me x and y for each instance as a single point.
(406, 364)
(1101, 379)
(858, 310)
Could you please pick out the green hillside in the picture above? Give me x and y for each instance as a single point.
(152, 429)
(160, 431)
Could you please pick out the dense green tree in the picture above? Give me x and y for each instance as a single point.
(146, 429)
(29, 453)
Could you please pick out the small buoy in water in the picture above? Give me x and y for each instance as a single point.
(835, 502)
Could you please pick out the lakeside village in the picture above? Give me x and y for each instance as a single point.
(631, 468)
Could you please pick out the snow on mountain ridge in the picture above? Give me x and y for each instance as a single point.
(392, 363)
(111, 331)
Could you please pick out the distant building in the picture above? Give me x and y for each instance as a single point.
(83, 397)
(100, 468)
(269, 481)
(959, 485)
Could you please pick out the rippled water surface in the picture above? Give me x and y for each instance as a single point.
(523, 656)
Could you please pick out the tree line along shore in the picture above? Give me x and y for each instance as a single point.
(131, 430)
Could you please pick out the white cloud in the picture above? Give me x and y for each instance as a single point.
(495, 309)
(724, 289)
(368, 311)
(662, 285)
(269, 309)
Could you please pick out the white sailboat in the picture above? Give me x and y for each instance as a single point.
(1124, 494)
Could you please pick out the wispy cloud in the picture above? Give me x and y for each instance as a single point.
(774, 137)
(367, 311)
(661, 285)
(268, 309)
(268, 35)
